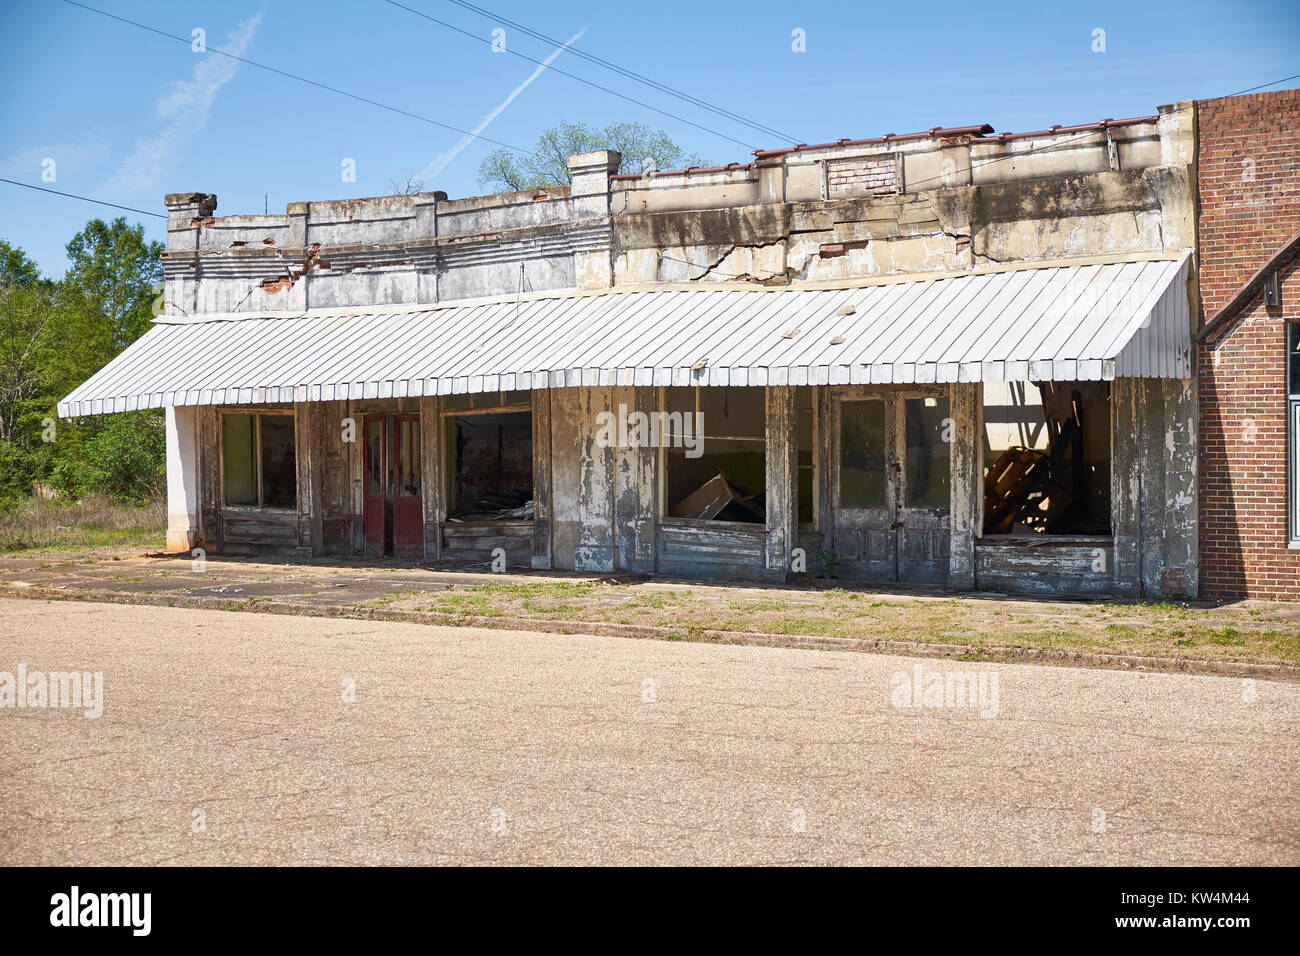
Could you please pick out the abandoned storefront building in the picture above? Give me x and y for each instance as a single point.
(954, 357)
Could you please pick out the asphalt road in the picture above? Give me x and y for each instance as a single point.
(227, 738)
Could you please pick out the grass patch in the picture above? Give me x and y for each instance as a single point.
(97, 521)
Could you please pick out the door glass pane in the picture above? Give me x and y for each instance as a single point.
(928, 430)
(374, 458)
(238, 462)
(862, 454)
(279, 463)
(408, 458)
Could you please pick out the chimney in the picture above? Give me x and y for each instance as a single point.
(590, 173)
(185, 213)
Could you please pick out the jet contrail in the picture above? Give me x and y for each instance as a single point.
(441, 163)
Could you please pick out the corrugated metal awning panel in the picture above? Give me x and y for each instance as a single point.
(1062, 322)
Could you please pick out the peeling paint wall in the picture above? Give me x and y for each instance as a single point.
(911, 204)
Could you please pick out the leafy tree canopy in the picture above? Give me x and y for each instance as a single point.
(641, 146)
(16, 268)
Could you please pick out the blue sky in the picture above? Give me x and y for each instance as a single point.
(128, 116)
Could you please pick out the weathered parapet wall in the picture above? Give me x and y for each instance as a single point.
(391, 249)
(938, 201)
(938, 204)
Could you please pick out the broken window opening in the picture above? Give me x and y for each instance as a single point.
(1047, 454)
(489, 459)
(259, 465)
(715, 453)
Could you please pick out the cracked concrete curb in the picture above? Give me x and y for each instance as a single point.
(967, 652)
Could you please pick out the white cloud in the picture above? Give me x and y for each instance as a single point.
(184, 107)
(436, 167)
(78, 155)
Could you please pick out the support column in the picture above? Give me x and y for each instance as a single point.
(782, 475)
(966, 463)
(183, 532)
(542, 479)
(635, 487)
(311, 503)
(431, 475)
(1125, 485)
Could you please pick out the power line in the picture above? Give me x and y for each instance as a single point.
(1262, 85)
(143, 212)
(696, 101)
(1083, 132)
(572, 76)
(303, 79)
(1047, 147)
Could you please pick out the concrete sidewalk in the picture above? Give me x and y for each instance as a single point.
(1259, 639)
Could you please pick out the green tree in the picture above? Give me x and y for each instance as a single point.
(55, 335)
(640, 146)
(122, 455)
(16, 268)
(105, 298)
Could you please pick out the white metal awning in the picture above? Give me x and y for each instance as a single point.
(1056, 321)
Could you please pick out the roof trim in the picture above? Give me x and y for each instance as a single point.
(1249, 289)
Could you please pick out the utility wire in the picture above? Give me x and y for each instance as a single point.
(1262, 85)
(1046, 147)
(694, 100)
(303, 79)
(572, 76)
(143, 212)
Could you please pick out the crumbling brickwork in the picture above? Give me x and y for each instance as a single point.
(1249, 184)
(862, 177)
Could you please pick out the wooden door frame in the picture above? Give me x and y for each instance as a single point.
(891, 516)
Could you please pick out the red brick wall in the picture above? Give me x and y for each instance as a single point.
(1249, 183)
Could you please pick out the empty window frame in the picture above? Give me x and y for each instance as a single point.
(714, 447)
(489, 456)
(1047, 458)
(259, 463)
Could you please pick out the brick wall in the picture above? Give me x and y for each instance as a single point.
(862, 177)
(1249, 184)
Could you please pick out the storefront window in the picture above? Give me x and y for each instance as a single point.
(715, 453)
(259, 460)
(489, 463)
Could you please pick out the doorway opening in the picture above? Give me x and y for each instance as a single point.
(891, 485)
(394, 498)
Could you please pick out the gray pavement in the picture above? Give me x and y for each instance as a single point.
(227, 738)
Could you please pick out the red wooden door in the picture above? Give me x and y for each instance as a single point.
(394, 503)
(408, 502)
(376, 483)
